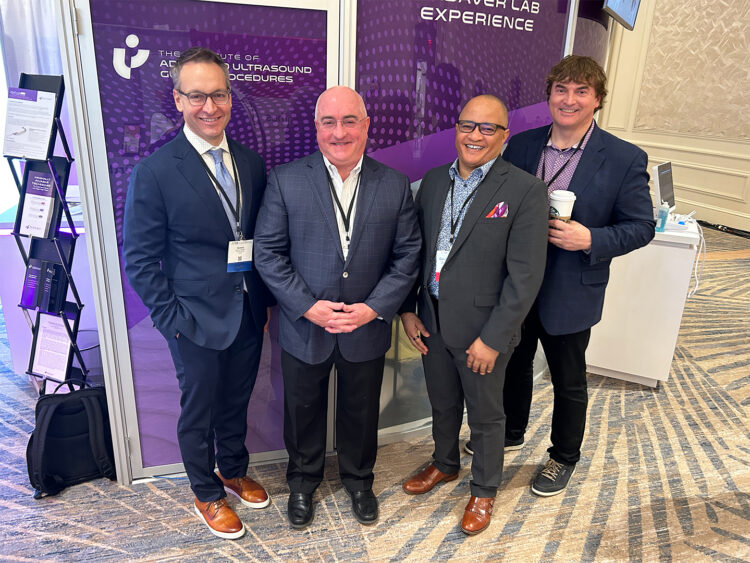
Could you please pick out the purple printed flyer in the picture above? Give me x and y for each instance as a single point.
(38, 205)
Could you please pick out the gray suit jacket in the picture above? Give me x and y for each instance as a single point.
(496, 265)
(298, 254)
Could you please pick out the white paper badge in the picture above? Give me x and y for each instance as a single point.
(440, 257)
(240, 256)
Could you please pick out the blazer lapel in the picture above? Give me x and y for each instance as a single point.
(591, 160)
(534, 151)
(491, 184)
(246, 183)
(370, 175)
(319, 182)
(436, 207)
(196, 177)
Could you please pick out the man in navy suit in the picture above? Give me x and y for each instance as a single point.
(612, 216)
(187, 242)
(337, 243)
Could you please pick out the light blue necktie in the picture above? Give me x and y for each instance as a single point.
(223, 176)
(226, 182)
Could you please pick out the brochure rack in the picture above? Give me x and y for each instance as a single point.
(48, 253)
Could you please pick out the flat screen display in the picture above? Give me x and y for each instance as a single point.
(663, 184)
(624, 11)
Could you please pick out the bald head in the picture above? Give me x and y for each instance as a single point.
(340, 92)
(341, 124)
(475, 148)
(488, 100)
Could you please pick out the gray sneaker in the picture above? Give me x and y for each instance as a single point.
(552, 479)
(510, 446)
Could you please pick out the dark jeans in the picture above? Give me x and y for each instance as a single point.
(566, 358)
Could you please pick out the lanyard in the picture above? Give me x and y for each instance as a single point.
(236, 212)
(345, 217)
(575, 150)
(454, 224)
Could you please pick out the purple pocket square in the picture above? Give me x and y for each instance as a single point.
(498, 212)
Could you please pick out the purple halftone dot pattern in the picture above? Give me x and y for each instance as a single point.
(415, 75)
(273, 118)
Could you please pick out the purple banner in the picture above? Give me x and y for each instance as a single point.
(277, 64)
(420, 61)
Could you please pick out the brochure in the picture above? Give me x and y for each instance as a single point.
(28, 123)
(38, 205)
(51, 348)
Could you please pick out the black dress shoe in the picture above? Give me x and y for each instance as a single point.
(300, 509)
(364, 506)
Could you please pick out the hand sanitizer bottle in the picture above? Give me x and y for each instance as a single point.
(661, 220)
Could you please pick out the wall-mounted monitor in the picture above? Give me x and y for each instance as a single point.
(623, 11)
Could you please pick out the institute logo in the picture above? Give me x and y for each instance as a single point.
(118, 57)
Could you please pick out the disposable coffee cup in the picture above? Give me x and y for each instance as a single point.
(561, 205)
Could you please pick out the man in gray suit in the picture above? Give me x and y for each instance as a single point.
(484, 224)
(337, 243)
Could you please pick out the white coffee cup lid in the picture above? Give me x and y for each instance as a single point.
(563, 195)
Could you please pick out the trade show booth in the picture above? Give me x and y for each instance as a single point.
(414, 64)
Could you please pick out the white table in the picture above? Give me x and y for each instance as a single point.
(645, 298)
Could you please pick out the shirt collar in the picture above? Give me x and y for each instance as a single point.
(476, 174)
(201, 145)
(335, 172)
(583, 145)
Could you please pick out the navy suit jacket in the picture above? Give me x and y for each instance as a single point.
(613, 201)
(298, 254)
(175, 240)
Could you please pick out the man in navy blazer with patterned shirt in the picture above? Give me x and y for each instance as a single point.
(337, 243)
(612, 216)
(186, 204)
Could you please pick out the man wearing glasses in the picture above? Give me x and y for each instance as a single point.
(484, 224)
(338, 245)
(187, 242)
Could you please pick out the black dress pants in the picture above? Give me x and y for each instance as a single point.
(305, 414)
(566, 358)
(216, 387)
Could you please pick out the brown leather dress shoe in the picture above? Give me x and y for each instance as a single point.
(248, 491)
(477, 515)
(220, 518)
(425, 480)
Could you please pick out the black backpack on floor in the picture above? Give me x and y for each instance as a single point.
(71, 442)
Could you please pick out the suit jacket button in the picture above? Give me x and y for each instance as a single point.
(345, 275)
(238, 289)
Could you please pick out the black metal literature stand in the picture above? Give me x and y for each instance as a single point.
(49, 258)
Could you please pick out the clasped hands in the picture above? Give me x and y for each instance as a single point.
(338, 318)
(480, 358)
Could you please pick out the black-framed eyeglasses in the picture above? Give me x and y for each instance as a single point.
(220, 97)
(346, 123)
(488, 129)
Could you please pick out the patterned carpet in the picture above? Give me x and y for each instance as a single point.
(665, 475)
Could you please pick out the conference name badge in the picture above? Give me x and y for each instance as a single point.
(440, 257)
(240, 256)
